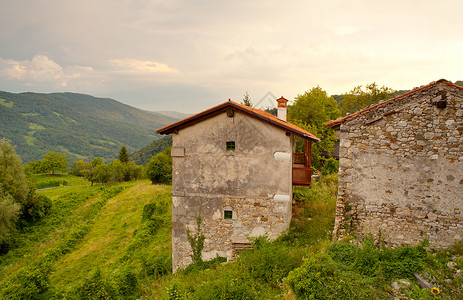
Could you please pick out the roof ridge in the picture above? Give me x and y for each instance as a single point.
(252, 112)
(385, 102)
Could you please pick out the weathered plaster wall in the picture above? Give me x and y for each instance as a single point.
(253, 181)
(401, 170)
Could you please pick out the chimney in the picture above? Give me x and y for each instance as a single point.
(282, 105)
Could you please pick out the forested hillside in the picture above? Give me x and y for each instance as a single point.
(80, 126)
(143, 156)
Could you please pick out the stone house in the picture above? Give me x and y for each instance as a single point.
(234, 166)
(401, 168)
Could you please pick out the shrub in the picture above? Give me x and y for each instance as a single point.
(383, 262)
(51, 183)
(157, 265)
(330, 166)
(29, 283)
(9, 213)
(196, 241)
(320, 277)
(128, 286)
(270, 262)
(35, 207)
(95, 287)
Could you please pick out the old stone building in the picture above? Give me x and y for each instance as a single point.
(234, 167)
(401, 168)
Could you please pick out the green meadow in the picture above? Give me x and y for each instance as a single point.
(114, 242)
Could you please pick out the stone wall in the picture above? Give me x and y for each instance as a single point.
(401, 169)
(253, 181)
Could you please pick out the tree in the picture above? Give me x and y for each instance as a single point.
(117, 171)
(12, 178)
(247, 100)
(159, 169)
(18, 199)
(80, 167)
(357, 98)
(311, 111)
(95, 170)
(123, 155)
(53, 162)
(9, 213)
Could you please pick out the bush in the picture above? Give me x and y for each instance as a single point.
(35, 207)
(9, 213)
(51, 183)
(158, 265)
(330, 166)
(320, 277)
(95, 287)
(29, 283)
(383, 262)
(270, 262)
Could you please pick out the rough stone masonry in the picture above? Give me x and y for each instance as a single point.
(401, 168)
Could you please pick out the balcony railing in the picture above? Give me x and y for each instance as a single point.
(302, 168)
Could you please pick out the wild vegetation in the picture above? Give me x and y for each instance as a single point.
(113, 242)
(103, 233)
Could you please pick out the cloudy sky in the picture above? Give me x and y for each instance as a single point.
(189, 55)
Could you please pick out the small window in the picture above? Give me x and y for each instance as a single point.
(231, 146)
(227, 214)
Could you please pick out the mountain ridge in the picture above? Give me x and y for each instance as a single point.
(78, 125)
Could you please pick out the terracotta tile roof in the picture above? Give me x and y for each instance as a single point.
(253, 112)
(384, 103)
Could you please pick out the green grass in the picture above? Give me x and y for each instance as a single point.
(30, 139)
(114, 242)
(6, 103)
(88, 228)
(35, 126)
(72, 181)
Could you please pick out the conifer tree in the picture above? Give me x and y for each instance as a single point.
(123, 155)
(247, 100)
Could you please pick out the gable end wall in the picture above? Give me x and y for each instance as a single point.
(251, 181)
(401, 171)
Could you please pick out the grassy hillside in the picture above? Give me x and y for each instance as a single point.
(80, 126)
(91, 231)
(114, 243)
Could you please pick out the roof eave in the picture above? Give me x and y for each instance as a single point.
(222, 108)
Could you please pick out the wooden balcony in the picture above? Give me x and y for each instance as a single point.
(302, 168)
(302, 176)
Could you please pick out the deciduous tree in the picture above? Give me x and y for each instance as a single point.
(12, 177)
(358, 98)
(311, 111)
(53, 162)
(159, 169)
(9, 213)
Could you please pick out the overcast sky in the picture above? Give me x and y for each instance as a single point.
(189, 55)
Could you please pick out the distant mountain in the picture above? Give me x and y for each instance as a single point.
(143, 156)
(174, 114)
(80, 126)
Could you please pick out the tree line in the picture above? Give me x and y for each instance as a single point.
(21, 206)
(158, 170)
(312, 109)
